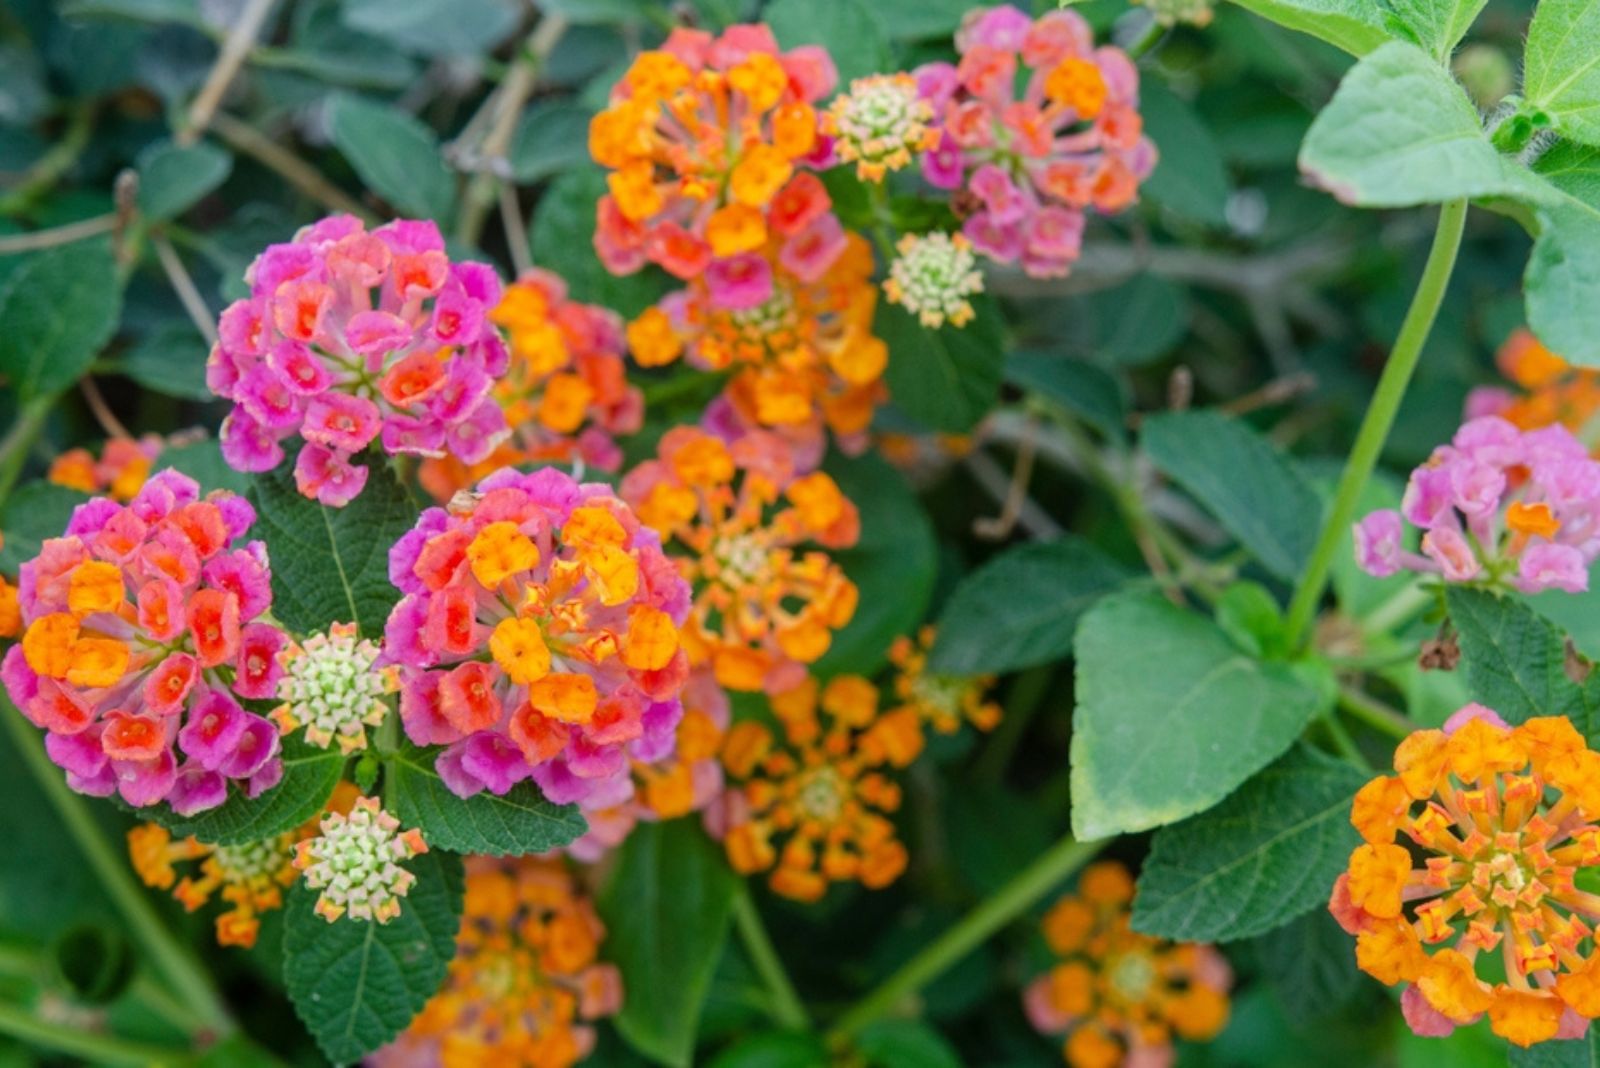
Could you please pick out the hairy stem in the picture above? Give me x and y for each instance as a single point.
(1380, 415)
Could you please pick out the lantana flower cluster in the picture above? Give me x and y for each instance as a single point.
(1552, 390)
(763, 607)
(812, 802)
(1493, 918)
(538, 636)
(526, 984)
(118, 473)
(880, 125)
(350, 338)
(332, 685)
(705, 138)
(144, 629)
(1118, 996)
(1498, 506)
(565, 391)
(354, 858)
(943, 702)
(1026, 167)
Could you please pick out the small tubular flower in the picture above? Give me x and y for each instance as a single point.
(701, 138)
(565, 391)
(880, 125)
(355, 858)
(143, 630)
(1553, 392)
(121, 470)
(526, 984)
(1118, 996)
(333, 687)
(735, 516)
(1498, 507)
(538, 636)
(933, 276)
(350, 338)
(1493, 825)
(941, 701)
(809, 801)
(1026, 168)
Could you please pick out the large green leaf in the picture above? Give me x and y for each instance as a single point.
(309, 776)
(1089, 392)
(1564, 271)
(892, 565)
(1516, 661)
(666, 910)
(1311, 966)
(1021, 607)
(1243, 480)
(1262, 857)
(1438, 25)
(550, 139)
(1357, 26)
(1190, 178)
(170, 360)
(1171, 717)
(172, 178)
(948, 378)
(905, 1044)
(395, 154)
(435, 27)
(1568, 1053)
(1399, 132)
(850, 30)
(331, 565)
(33, 512)
(1561, 66)
(354, 984)
(519, 822)
(57, 311)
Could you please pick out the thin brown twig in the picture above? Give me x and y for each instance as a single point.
(184, 286)
(516, 229)
(1277, 391)
(998, 528)
(57, 235)
(994, 479)
(241, 38)
(244, 138)
(101, 410)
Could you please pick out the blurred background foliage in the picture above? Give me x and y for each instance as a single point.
(1231, 283)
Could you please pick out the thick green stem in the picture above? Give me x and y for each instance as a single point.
(111, 870)
(94, 1048)
(1374, 713)
(994, 912)
(787, 1008)
(18, 442)
(1380, 415)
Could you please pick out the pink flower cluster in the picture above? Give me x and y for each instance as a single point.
(143, 627)
(1496, 506)
(350, 337)
(538, 636)
(1029, 167)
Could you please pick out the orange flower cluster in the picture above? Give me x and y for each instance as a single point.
(940, 700)
(1503, 819)
(734, 516)
(1117, 995)
(812, 803)
(1552, 390)
(565, 391)
(120, 472)
(526, 982)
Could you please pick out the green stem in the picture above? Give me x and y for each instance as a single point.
(93, 1048)
(1152, 35)
(1400, 609)
(18, 442)
(111, 870)
(1380, 415)
(1345, 744)
(1374, 713)
(1025, 697)
(787, 1009)
(50, 167)
(1000, 908)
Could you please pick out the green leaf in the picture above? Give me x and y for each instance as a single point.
(1190, 178)
(1243, 480)
(562, 235)
(851, 31)
(173, 178)
(905, 1044)
(1354, 25)
(46, 344)
(171, 361)
(1124, 326)
(1516, 661)
(1310, 965)
(395, 154)
(1438, 25)
(774, 1049)
(1564, 270)
(600, 12)
(1021, 607)
(1171, 717)
(1092, 394)
(1264, 856)
(1251, 616)
(522, 821)
(1400, 132)
(550, 139)
(355, 985)
(309, 776)
(1567, 1053)
(1561, 66)
(666, 910)
(33, 512)
(434, 27)
(203, 462)
(948, 378)
(331, 565)
(893, 564)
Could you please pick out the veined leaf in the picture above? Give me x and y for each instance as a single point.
(57, 310)
(1438, 25)
(1516, 661)
(948, 378)
(1353, 25)
(522, 821)
(395, 154)
(1564, 270)
(309, 776)
(1561, 66)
